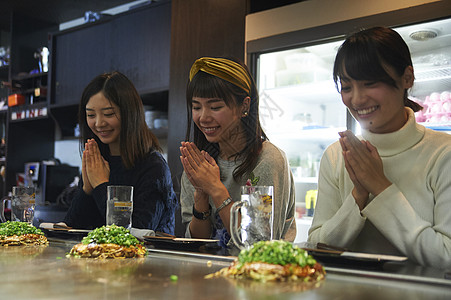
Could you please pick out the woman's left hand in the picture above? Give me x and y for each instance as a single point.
(201, 168)
(364, 163)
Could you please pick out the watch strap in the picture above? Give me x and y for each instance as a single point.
(202, 215)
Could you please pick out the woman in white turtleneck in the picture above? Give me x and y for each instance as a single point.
(390, 192)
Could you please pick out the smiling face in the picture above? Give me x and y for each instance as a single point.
(377, 106)
(217, 121)
(103, 118)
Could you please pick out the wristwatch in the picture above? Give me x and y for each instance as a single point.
(224, 204)
(202, 215)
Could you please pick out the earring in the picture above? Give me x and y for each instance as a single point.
(245, 113)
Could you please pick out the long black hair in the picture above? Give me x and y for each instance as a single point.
(363, 55)
(208, 86)
(136, 139)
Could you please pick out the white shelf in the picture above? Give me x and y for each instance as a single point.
(306, 179)
(432, 73)
(323, 92)
(328, 134)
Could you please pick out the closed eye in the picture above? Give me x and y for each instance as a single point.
(345, 89)
(344, 85)
(370, 83)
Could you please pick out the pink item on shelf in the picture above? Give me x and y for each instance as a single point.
(420, 115)
(438, 107)
(446, 106)
(445, 96)
(433, 119)
(434, 97)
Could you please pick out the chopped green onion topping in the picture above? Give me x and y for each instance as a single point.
(10, 228)
(276, 252)
(111, 234)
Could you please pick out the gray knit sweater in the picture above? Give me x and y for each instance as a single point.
(273, 169)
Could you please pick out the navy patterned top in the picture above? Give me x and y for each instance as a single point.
(154, 200)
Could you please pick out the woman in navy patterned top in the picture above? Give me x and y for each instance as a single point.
(119, 149)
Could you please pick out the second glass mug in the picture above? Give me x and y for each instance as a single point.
(23, 202)
(257, 210)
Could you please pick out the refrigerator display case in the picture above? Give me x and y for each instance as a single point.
(301, 109)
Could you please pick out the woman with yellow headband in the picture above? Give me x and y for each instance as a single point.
(229, 148)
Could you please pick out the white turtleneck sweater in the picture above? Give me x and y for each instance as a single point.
(412, 217)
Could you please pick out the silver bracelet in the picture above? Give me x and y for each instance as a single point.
(224, 204)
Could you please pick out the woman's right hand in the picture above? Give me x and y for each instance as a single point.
(359, 192)
(203, 173)
(364, 166)
(201, 169)
(186, 168)
(87, 186)
(96, 168)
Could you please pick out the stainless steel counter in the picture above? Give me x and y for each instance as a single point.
(46, 273)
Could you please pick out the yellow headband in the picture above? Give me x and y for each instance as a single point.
(224, 69)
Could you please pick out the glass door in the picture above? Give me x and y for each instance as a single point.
(301, 111)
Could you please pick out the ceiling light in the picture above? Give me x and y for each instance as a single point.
(423, 34)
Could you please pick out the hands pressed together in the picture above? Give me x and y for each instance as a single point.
(201, 169)
(203, 173)
(95, 169)
(364, 166)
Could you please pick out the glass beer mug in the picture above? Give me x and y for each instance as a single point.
(256, 222)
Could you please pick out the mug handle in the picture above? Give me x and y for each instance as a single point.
(2, 215)
(234, 234)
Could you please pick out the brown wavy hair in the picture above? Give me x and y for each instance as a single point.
(136, 139)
